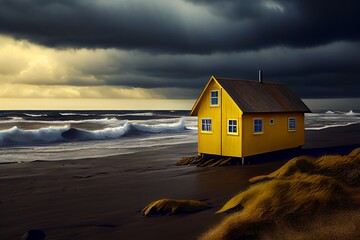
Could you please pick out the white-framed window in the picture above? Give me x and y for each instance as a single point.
(232, 126)
(206, 125)
(271, 121)
(292, 123)
(258, 125)
(214, 98)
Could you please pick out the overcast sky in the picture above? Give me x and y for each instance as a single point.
(170, 48)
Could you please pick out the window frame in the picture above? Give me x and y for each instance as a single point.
(211, 97)
(237, 126)
(206, 131)
(262, 126)
(295, 123)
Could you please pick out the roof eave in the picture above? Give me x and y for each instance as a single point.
(308, 111)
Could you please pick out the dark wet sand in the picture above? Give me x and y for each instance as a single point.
(101, 198)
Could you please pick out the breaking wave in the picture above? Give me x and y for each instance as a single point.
(35, 115)
(351, 113)
(74, 114)
(52, 134)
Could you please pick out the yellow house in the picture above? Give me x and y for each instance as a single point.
(240, 118)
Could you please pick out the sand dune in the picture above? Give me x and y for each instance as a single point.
(304, 194)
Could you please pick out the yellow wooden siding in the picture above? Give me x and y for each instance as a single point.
(231, 144)
(274, 137)
(210, 143)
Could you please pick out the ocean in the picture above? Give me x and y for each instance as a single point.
(60, 135)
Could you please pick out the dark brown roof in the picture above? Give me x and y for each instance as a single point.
(255, 97)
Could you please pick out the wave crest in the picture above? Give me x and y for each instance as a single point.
(52, 134)
(351, 113)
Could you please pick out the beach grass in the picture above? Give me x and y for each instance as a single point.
(307, 198)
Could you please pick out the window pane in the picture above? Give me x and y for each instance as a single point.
(214, 96)
(232, 126)
(206, 125)
(258, 127)
(214, 101)
(292, 124)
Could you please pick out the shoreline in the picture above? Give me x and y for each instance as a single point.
(312, 140)
(101, 198)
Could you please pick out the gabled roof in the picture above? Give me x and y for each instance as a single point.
(255, 97)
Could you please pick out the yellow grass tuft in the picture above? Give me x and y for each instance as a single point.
(273, 198)
(298, 165)
(307, 198)
(355, 153)
(171, 206)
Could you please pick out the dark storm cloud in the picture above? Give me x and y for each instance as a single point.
(311, 45)
(180, 27)
(288, 23)
(324, 71)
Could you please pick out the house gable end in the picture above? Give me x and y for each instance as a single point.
(195, 108)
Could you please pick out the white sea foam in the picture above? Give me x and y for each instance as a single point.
(139, 114)
(330, 126)
(35, 115)
(163, 127)
(74, 114)
(351, 113)
(330, 112)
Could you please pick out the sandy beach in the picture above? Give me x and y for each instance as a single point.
(102, 198)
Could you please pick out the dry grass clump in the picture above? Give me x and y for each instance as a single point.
(307, 198)
(343, 168)
(171, 206)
